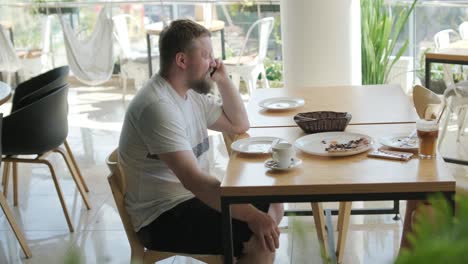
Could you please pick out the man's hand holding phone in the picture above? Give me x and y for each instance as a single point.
(218, 73)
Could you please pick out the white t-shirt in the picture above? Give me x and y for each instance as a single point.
(158, 120)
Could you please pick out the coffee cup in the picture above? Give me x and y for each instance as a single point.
(428, 131)
(283, 154)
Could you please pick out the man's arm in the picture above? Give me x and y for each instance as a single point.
(207, 188)
(234, 119)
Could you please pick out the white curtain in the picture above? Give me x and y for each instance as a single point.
(91, 60)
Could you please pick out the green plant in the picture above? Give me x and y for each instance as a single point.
(274, 70)
(380, 30)
(73, 256)
(440, 238)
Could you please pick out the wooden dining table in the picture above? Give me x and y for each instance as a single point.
(330, 179)
(456, 53)
(368, 104)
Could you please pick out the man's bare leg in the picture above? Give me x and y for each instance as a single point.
(253, 250)
(276, 212)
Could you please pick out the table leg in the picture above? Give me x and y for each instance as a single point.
(320, 225)
(396, 207)
(451, 201)
(428, 73)
(343, 226)
(227, 231)
(223, 48)
(10, 31)
(150, 62)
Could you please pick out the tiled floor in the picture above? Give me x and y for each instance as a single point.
(95, 119)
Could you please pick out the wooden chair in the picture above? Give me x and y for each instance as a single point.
(38, 129)
(9, 215)
(31, 90)
(140, 254)
(428, 104)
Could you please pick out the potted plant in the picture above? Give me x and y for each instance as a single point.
(41, 9)
(379, 31)
(440, 237)
(274, 72)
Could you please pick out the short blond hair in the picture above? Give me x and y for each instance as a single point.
(178, 37)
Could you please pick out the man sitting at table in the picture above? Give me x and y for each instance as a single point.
(173, 202)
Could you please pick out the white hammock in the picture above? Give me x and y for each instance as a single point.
(91, 60)
(9, 62)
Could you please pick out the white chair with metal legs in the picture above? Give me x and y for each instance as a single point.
(442, 40)
(456, 102)
(133, 62)
(463, 30)
(250, 66)
(9, 61)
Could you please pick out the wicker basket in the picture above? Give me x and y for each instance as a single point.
(322, 121)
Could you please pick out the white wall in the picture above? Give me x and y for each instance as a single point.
(321, 42)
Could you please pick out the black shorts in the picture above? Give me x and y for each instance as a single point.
(192, 227)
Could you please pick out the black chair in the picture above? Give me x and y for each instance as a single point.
(9, 215)
(49, 80)
(30, 91)
(38, 129)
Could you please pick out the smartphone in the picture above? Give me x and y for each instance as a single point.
(213, 71)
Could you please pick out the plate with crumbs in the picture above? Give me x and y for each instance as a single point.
(400, 142)
(334, 144)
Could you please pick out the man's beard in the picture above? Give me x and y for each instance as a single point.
(202, 86)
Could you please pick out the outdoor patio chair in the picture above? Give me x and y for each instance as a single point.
(250, 66)
(9, 62)
(140, 254)
(456, 102)
(39, 129)
(442, 40)
(9, 214)
(133, 62)
(463, 30)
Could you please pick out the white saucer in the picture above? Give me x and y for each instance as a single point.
(271, 164)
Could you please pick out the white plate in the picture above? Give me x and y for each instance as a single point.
(400, 142)
(314, 143)
(281, 103)
(271, 164)
(255, 145)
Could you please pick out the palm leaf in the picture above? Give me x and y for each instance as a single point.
(379, 31)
